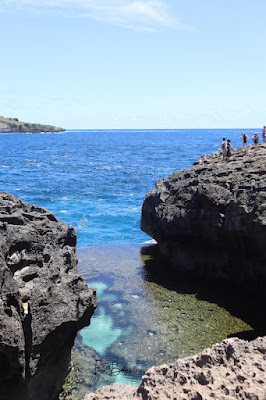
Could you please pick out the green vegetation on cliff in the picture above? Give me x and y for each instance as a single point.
(14, 125)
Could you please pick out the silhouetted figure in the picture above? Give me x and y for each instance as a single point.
(228, 152)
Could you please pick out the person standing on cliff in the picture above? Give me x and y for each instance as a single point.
(264, 134)
(244, 138)
(228, 152)
(255, 138)
(224, 149)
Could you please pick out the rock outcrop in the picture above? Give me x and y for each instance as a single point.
(13, 125)
(43, 301)
(231, 370)
(210, 220)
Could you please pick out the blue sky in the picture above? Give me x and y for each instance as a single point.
(134, 63)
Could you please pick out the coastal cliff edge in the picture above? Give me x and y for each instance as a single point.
(210, 220)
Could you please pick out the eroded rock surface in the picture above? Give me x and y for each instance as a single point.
(210, 220)
(43, 301)
(233, 369)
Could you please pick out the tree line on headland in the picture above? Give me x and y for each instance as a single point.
(11, 125)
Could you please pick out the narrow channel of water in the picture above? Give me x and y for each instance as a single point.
(145, 319)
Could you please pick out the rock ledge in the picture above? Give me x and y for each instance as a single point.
(210, 220)
(233, 369)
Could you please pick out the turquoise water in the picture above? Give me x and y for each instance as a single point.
(97, 180)
(142, 320)
(103, 325)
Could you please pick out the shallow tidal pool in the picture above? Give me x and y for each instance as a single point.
(144, 318)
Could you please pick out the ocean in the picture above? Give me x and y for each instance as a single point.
(96, 181)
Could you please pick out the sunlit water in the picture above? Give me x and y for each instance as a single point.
(96, 180)
(142, 320)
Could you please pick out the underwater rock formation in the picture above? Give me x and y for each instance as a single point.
(233, 369)
(43, 301)
(210, 220)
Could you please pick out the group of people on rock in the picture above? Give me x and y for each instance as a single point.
(226, 144)
(255, 137)
(226, 149)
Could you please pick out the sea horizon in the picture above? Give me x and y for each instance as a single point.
(156, 129)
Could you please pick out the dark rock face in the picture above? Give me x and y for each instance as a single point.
(232, 369)
(43, 301)
(210, 220)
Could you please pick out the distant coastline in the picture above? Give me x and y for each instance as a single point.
(13, 125)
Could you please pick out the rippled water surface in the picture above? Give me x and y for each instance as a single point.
(97, 180)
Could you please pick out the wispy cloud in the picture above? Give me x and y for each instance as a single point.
(149, 15)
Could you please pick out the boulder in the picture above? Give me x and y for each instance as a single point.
(210, 220)
(43, 300)
(233, 369)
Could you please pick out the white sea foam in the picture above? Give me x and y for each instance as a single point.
(152, 241)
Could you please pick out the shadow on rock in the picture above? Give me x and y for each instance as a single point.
(240, 303)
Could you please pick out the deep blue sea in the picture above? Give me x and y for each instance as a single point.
(96, 180)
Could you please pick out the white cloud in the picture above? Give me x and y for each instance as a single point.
(133, 14)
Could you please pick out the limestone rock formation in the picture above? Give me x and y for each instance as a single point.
(210, 220)
(231, 370)
(13, 125)
(43, 301)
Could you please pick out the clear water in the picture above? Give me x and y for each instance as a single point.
(143, 319)
(96, 181)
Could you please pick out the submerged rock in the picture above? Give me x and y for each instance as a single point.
(233, 369)
(210, 220)
(43, 301)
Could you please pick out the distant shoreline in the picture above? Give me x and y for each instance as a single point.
(13, 125)
(27, 132)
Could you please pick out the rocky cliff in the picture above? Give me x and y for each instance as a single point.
(210, 220)
(231, 370)
(12, 125)
(43, 301)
